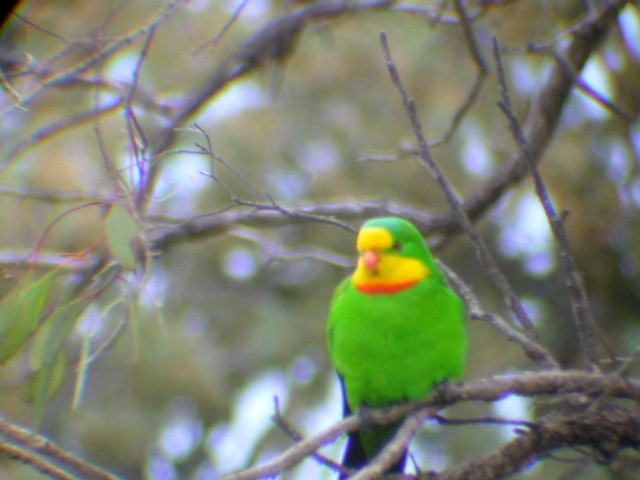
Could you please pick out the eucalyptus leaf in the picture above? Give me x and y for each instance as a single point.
(21, 312)
(55, 329)
(122, 231)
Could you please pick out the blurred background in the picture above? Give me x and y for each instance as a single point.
(173, 371)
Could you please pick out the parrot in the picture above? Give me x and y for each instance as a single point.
(395, 329)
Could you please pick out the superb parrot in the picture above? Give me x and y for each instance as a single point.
(395, 329)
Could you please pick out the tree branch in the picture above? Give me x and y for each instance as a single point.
(483, 390)
(534, 350)
(606, 431)
(494, 273)
(547, 106)
(578, 296)
(46, 456)
(273, 43)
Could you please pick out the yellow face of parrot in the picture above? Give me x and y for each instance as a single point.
(382, 264)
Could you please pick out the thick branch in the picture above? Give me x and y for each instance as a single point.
(606, 431)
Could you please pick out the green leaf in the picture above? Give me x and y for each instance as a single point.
(44, 384)
(122, 230)
(51, 335)
(21, 311)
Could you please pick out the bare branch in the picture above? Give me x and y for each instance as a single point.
(298, 452)
(170, 231)
(134, 129)
(534, 350)
(278, 252)
(620, 426)
(227, 26)
(472, 43)
(292, 433)
(499, 280)
(54, 128)
(481, 75)
(38, 463)
(273, 43)
(47, 196)
(581, 84)
(44, 260)
(49, 79)
(52, 456)
(547, 106)
(578, 296)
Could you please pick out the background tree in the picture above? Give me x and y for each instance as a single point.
(180, 184)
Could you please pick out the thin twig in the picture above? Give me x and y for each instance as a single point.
(54, 128)
(485, 257)
(296, 436)
(578, 297)
(278, 252)
(216, 158)
(158, 16)
(624, 369)
(534, 350)
(295, 454)
(48, 196)
(582, 85)
(472, 43)
(485, 420)
(134, 129)
(547, 106)
(273, 43)
(481, 75)
(225, 28)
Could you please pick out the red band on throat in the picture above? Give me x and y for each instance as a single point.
(373, 288)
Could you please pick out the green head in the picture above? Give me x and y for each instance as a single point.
(392, 256)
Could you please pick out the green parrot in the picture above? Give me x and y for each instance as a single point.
(395, 329)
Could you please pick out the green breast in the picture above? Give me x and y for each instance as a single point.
(390, 348)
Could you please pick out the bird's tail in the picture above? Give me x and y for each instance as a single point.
(356, 456)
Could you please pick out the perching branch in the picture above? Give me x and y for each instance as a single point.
(622, 427)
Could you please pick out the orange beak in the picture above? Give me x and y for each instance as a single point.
(371, 258)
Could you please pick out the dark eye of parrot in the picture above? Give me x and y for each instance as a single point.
(397, 246)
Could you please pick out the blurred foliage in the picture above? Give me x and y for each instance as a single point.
(172, 358)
